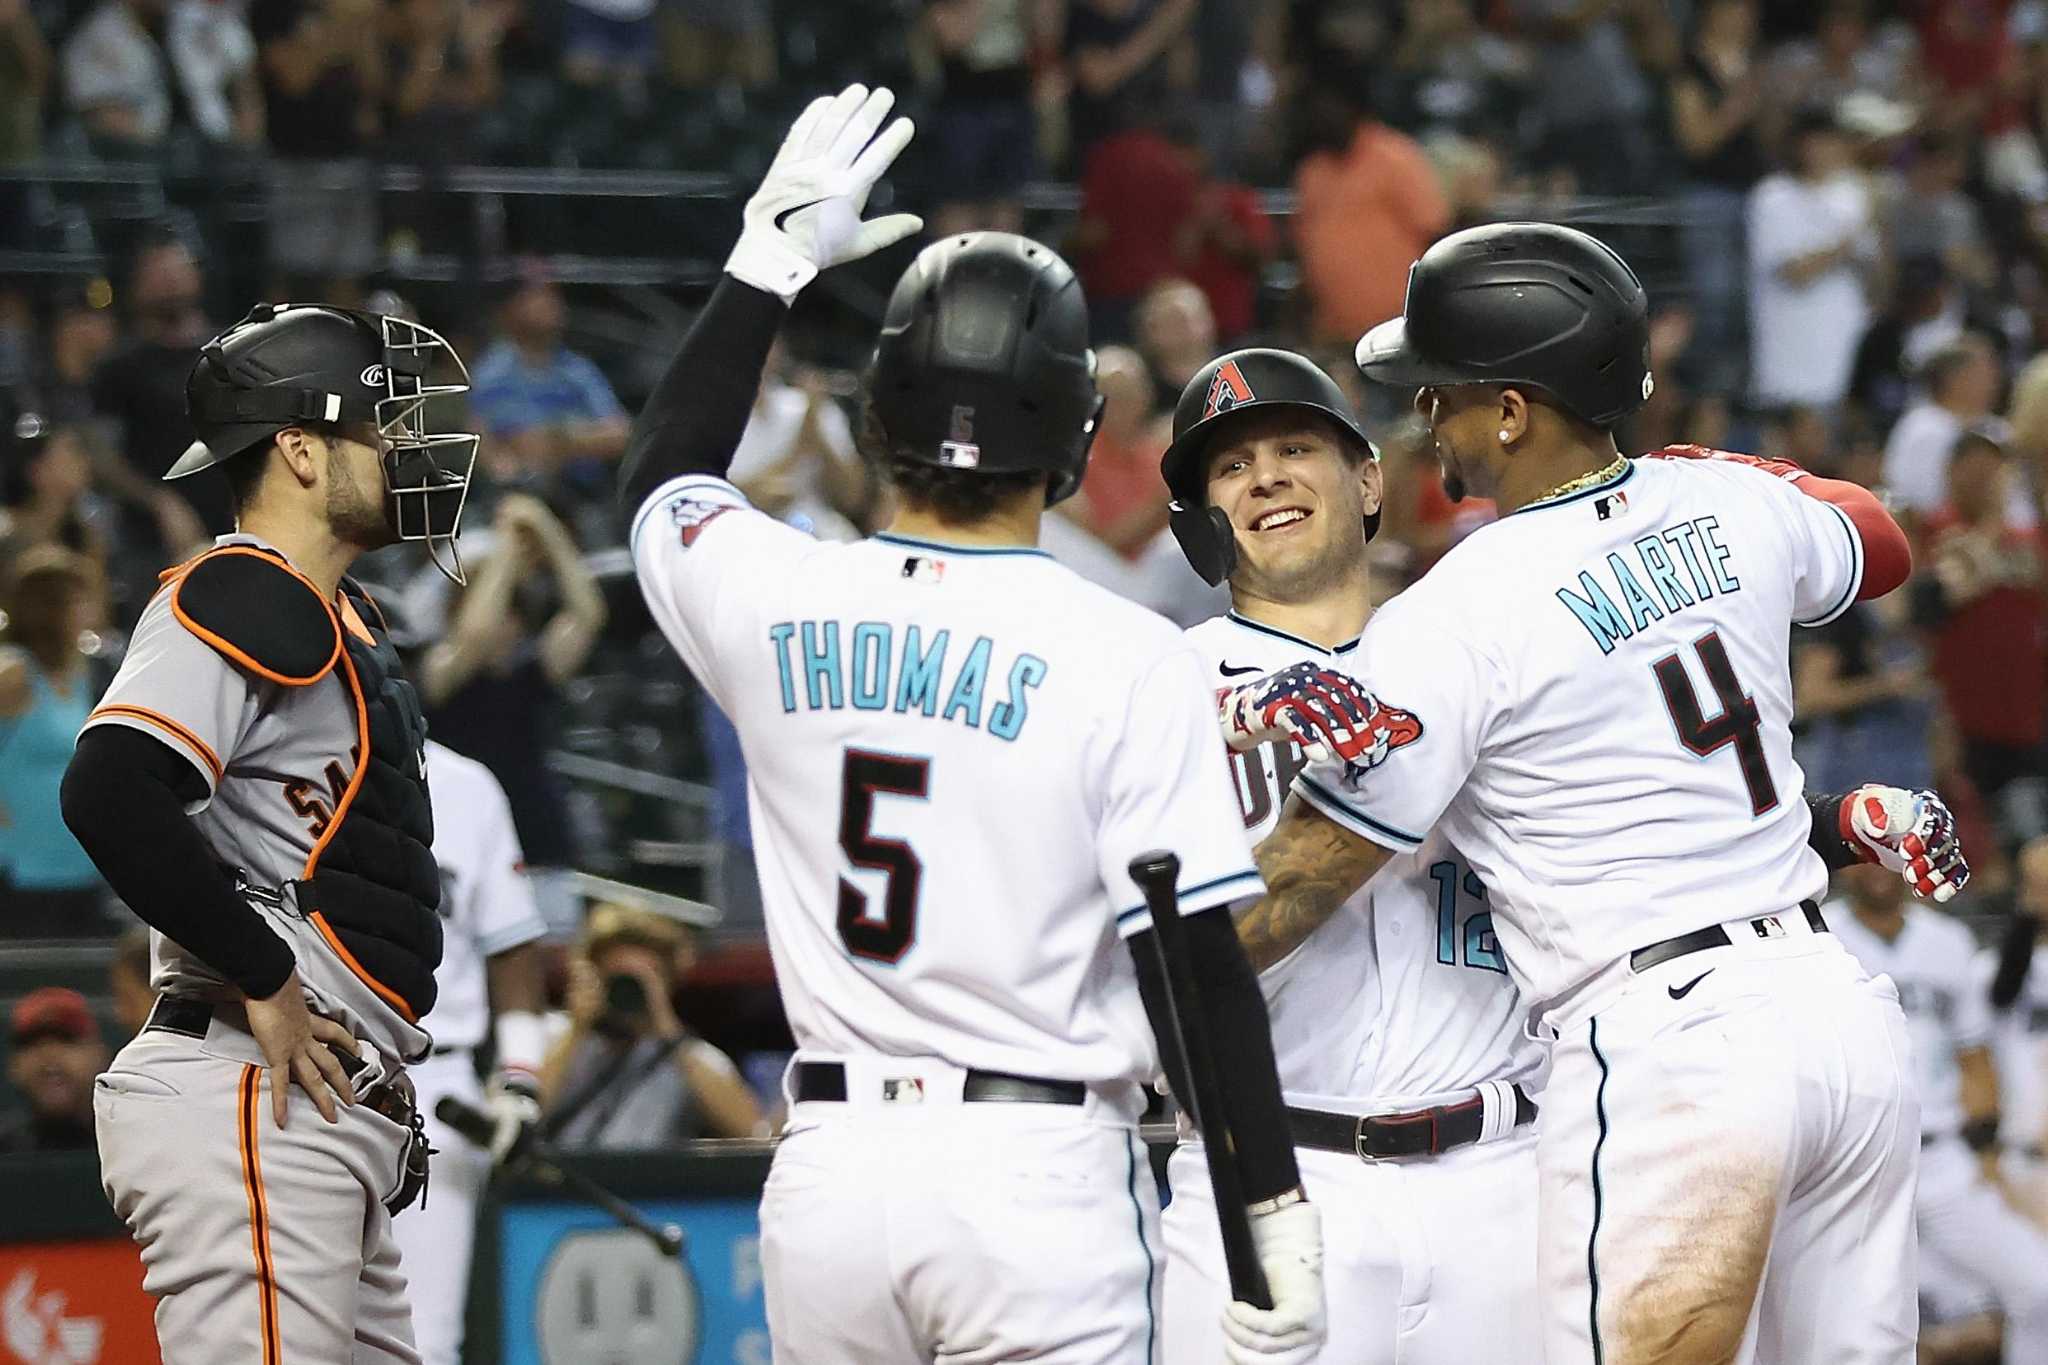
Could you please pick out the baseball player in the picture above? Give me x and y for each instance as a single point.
(1590, 698)
(253, 785)
(2016, 978)
(955, 748)
(489, 981)
(1969, 1235)
(1409, 1080)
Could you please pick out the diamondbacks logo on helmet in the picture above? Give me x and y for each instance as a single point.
(1227, 390)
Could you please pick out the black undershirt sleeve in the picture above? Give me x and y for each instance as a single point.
(2015, 955)
(1825, 838)
(692, 422)
(124, 799)
(1241, 1037)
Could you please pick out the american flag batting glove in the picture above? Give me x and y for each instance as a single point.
(1910, 833)
(1326, 712)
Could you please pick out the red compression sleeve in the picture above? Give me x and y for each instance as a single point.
(1887, 557)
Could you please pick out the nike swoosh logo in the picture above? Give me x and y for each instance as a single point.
(782, 218)
(1227, 671)
(1680, 992)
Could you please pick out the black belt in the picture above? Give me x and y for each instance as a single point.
(827, 1081)
(1713, 936)
(1378, 1137)
(392, 1097)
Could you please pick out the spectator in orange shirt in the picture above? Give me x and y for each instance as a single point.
(1368, 204)
(1122, 502)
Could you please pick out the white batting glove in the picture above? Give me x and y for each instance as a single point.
(1289, 1242)
(805, 217)
(1910, 833)
(515, 1114)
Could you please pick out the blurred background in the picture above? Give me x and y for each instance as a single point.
(1840, 208)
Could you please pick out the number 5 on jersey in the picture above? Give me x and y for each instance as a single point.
(887, 937)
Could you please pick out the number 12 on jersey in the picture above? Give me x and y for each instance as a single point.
(867, 774)
(1479, 945)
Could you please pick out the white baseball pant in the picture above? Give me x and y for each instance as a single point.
(1967, 1229)
(438, 1234)
(927, 1229)
(1726, 1155)
(1426, 1260)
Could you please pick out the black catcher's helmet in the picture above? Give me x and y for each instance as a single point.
(1525, 304)
(287, 364)
(1237, 383)
(983, 362)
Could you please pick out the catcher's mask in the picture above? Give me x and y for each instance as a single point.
(287, 364)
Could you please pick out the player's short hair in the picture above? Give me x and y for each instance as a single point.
(611, 925)
(956, 497)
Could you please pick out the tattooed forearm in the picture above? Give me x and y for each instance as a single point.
(1311, 865)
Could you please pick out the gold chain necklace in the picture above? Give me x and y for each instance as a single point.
(1587, 480)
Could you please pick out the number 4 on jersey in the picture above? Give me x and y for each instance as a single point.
(865, 774)
(1738, 724)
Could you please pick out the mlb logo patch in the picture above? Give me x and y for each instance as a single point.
(903, 1090)
(924, 570)
(1768, 927)
(1613, 505)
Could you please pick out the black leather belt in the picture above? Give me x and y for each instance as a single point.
(392, 1097)
(1379, 1137)
(1713, 936)
(827, 1081)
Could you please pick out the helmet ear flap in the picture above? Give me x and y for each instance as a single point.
(1207, 539)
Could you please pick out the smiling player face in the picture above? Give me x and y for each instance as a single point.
(1296, 494)
(1463, 421)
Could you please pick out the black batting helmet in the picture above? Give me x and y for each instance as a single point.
(288, 364)
(983, 362)
(1522, 304)
(1227, 387)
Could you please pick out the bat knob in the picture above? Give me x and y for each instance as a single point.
(671, 1240)
(1156, 867)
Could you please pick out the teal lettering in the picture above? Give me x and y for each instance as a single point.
(1684, 538)
(871, 665)
(779, 635)
(1640, 607)
(1009, 717)
(821, 665)
(1710, 531)
(1596, 612)
(968, 687)
(1663, 573)
(917, 677)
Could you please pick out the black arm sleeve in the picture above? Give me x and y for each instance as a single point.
(1241, 1037)
(124, 798)
(1825, 838)
(2015, 955)
(692, 422)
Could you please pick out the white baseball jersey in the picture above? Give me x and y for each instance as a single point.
(953, 754)
(2020, 1046)
(487, 904)
(1592, 699)
(1930, 963)
(1403, 994)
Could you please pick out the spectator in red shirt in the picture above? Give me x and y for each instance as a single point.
(1985, 596)
(1137, 189)
(1223, 243)
(1123, 501)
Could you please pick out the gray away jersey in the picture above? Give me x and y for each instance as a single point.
(276, 760)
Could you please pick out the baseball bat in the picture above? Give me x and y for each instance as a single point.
(1158, 874)
(538, 1160)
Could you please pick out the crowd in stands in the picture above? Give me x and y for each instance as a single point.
(1840, 208)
